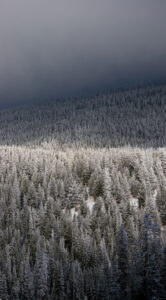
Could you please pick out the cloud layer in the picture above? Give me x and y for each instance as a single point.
(63, 48)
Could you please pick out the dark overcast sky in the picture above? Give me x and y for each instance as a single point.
(51, 48)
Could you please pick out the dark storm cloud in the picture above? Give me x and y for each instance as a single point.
(68, 47)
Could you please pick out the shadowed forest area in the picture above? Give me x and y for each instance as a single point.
(135, 117)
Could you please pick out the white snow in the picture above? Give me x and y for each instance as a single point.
(155, 193)
(163, 231)
(90, 203)
(73, 212)
(134, 202)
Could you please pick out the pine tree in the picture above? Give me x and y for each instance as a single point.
(58, 290)
(151, 253)
(3, 287)
(74, 196)
(163, 272)
(114, 283)
(28, 283)
(122, 249)
(41, 275)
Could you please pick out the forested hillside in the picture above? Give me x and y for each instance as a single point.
(82, 217)
(135, 117)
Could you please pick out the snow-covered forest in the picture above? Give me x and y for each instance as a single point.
(135, 117)
(83, 198)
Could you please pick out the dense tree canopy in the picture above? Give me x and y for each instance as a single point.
(77, 220)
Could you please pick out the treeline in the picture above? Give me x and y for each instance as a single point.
(82, 224)
(135, 117)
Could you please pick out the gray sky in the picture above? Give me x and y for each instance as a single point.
(51, 48)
